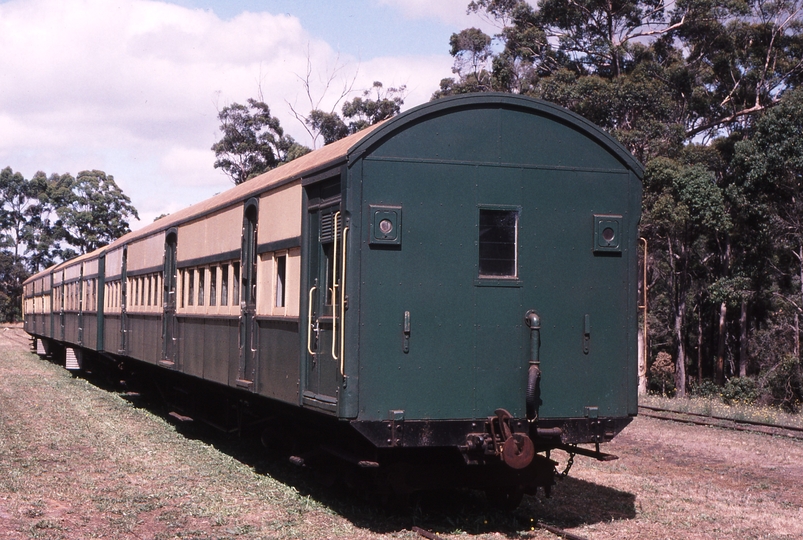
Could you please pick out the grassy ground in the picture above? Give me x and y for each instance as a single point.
(715, 407)
(79, 461)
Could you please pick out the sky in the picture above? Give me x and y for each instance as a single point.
(133, 87)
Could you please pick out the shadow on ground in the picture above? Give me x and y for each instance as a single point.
(573, 503)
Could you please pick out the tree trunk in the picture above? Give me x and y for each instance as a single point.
(642, 331)
(720, 368)
(797, 314)
(680, 364)
(743, 340)
(642, 364)
(699, 346)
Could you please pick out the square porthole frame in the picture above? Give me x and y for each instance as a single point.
(603, 222)
(380, 213)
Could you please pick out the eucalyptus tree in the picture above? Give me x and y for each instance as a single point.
(769, 172)
(91, 208)
(708, 65)
(684, 211)
(376, 104)
(253, 141)
(19, 205)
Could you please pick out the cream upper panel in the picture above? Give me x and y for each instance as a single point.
(280, 214)
(146, 253)
(91, 267)
(212, 235)
(72, 272)
(114, 262)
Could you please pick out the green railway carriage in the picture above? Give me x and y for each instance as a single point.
(445, 294)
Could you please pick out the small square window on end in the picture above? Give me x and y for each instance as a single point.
(607, 233)
(386, 225)
(498, 243)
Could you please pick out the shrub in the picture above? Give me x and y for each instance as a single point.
(706, 389)
(740, 390)
(782, 384)
(662, 373)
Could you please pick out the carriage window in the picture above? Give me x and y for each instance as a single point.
(330, 270)
(224, 285)
(498, 233)
(201, 278)
(236, 284)
(281, 276)
(183, 275)
(191, 287)
(213, 286)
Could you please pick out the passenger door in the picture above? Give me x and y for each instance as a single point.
(247, 375)
(170, 291)
(324, 313)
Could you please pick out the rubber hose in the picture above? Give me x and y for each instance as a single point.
(533, 376)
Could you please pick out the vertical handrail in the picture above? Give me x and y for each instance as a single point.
(309, 320)
(343, 304)
(334, 288)
(644, 307)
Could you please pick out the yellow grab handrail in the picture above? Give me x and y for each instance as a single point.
(334, 290)
(343, 304)
(309, 320)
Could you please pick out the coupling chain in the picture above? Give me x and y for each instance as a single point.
(569, 464)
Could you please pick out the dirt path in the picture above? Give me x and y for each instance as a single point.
(77, 461)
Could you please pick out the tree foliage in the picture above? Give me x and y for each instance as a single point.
(92, 210)
(375, 105)
(644, 69)
(253, 141)
(48, 219)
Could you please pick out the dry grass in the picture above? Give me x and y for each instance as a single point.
(78, 461)
(715, 407)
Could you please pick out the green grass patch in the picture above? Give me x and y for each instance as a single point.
(713, 406)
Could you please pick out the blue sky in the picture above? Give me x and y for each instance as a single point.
(357, 27)
(132, 87)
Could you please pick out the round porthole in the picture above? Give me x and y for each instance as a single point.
(385, 226)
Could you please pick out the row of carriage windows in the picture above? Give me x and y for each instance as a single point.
(211, 286)
(144, 291)
(76, 296)
(221, 285)
(113, 295)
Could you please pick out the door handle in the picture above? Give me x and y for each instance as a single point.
(309, 320)
(406, 332)
(586, 332)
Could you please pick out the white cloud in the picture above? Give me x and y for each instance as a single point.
(133, 87)
(420, 75)
(451, 12)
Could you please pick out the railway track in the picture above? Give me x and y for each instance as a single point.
(722, 422)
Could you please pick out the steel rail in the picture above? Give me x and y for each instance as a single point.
(560, 533)
(717, 421)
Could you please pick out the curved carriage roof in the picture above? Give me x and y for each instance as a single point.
(496, 100)
(353, 147)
